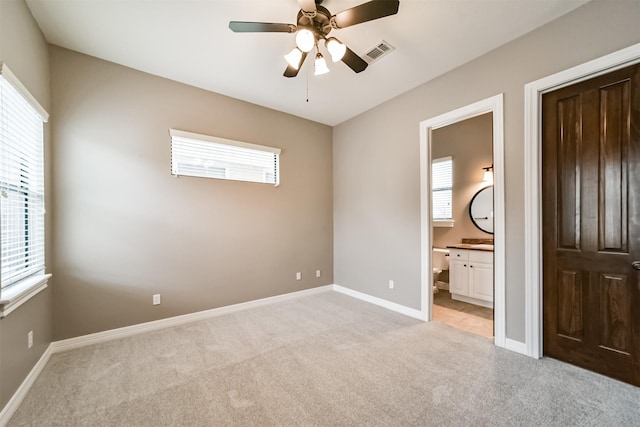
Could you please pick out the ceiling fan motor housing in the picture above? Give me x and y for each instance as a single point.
(319, 24)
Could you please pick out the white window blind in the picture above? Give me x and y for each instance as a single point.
(212, 157)
(21, 183)
(442, 187)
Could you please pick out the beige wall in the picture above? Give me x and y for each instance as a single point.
(470, 143)
(126, 229)
(376, 155)
(24, 50)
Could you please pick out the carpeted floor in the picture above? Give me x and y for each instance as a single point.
(326, 359)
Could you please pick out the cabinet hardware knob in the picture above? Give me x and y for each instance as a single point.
(636, 265)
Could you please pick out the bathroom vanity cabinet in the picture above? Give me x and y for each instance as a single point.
(471, 276)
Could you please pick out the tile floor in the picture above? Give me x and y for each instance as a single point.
(461, 315)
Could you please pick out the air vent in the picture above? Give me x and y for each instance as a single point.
(381, 49)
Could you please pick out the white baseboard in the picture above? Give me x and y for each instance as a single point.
(17, 398)
(516, 346)
(407, 311)
(127, 331)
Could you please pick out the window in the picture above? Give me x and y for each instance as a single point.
(442, 188)
(211, 157)
(21, 188)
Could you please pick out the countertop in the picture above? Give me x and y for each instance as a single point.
(472, 246)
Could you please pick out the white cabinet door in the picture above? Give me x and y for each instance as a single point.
(458, 277)
(481, 281)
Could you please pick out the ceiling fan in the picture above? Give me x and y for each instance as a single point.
(314, 23)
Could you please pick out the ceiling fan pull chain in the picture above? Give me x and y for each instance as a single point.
(307, 86)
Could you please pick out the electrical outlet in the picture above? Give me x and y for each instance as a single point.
(391, 284)
(156, 299)
(298, 275)
(30, 339)
(317, 273)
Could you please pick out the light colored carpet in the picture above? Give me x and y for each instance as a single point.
(326, 359)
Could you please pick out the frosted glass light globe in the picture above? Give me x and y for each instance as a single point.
(305, 40)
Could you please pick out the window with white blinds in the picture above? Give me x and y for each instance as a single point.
(21, 184)
(212, 157)
(442, 187)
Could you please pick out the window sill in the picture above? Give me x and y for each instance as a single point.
(443, 223)
(21, 292)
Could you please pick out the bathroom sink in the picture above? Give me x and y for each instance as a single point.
(482, 246)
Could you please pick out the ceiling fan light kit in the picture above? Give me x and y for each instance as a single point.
(314, 22)
(294, 58)
(305, 40)
(335, 48)
(320, 65)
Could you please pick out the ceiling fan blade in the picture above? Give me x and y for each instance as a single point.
(292, 72)
(374, 9)
(261, 27)
(354, 62)
(307, 5)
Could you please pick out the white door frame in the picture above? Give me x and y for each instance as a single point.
(490, 105)
(533, 178)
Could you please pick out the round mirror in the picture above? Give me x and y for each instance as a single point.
(481, 209)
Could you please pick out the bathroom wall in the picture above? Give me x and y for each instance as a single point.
(470, 143)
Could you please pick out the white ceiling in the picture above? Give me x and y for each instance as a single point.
(189, 41)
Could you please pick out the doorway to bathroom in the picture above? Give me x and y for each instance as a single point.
(462, 224)
(470, 284)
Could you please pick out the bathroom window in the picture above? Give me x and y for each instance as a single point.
(442, 189)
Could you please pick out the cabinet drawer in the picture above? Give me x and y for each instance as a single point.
(481, 256)
(458, 254)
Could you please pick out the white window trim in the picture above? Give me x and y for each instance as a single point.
(14, 296)
(19, 293)
(11, 78)
(444, 223)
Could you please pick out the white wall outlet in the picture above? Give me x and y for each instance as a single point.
(156, 299)
(30, 339)
(391, 284)
(317, 273)
(298, 275)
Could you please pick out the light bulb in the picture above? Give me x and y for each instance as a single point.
(305, 40)
(488, 174)
(321, 65)
(294, 57)
(335, 48)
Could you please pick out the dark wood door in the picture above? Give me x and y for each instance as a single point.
(591, 224)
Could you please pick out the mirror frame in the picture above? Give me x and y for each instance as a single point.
(471, 208)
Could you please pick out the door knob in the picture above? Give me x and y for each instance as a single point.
(636, 265)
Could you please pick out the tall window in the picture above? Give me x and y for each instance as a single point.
(212, 157)
(442, 187)
(21, 183)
